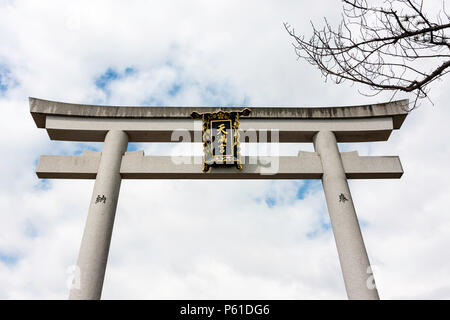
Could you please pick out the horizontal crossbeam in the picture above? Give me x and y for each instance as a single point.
(169, 130)
(75, 122)
(135, 165)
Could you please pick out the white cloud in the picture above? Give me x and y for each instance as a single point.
(167, 241)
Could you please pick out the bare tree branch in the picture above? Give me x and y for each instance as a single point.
(394, 47)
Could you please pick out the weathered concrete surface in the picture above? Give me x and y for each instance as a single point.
(347, 233)
(75, 122)
(40, 108)
(99, 225)
(307, 165)
(84, 166)
(162, 130)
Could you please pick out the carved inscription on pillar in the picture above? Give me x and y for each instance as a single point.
(100, 199)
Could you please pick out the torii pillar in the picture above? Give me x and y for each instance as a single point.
(347, 233)
(94, 250)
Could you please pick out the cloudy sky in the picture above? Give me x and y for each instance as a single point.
(273, 240)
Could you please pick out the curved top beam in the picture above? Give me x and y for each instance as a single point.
(40, 109)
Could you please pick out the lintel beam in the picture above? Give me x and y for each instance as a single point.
(77, 122)
(162, 130)
(135, 165)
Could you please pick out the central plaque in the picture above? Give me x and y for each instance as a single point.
(220, 135)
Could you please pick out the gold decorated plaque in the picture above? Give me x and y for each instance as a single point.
(220, 136)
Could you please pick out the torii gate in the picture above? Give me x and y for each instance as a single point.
(116, 126)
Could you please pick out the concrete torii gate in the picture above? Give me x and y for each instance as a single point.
(116, 126)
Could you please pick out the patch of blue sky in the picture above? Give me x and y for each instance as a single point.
(3, 74)
(134, 146)
(65, 148)
(43, 184)
(129, 71)
(104, 79)
(8, 258)
(7, 81)
(323, 228)
(35, 162)
(3, 85)
(102, 82)
(306, 187)
(270, 201)
(30, 230)
(174, 89)
(91, 146)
